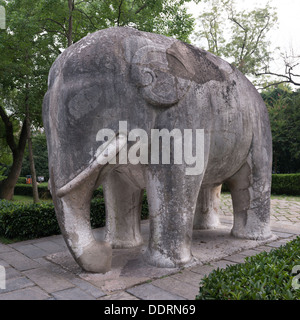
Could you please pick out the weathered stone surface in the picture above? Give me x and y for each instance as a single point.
(153, 82)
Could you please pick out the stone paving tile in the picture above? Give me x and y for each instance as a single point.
(4, 248)
(249, 253)
(47, 280)
(277, 244)
(3, 263)
(122, 295)
(18, 260)
(50, 246)
(33, 293)
(151, 292)
(203, 269)
(263, 249)
(31, 251)
(238, 258)
(174, 286)
(222, 264)
(189, 277)
(11, 273)
(72, 294)
(16, 284)
(88, 288)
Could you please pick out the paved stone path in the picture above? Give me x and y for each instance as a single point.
(42, 269)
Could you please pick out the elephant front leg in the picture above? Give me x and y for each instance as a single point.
(207, 210)
(172, 198)
(123, 203)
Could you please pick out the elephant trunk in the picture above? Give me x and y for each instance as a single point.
(73, 214)
(72, 205)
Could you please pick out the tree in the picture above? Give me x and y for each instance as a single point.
(25, 61)
(39, 145)
(284, 113)
(71, 20)
(239, 36)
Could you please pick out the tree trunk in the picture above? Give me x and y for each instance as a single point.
(30, 154)
(32, 169)
(70, 29)
(7, 186)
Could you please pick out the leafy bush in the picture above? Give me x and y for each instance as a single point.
(29, 221)
(266, 276)
(20, 179)
(26, 190)
(288, 184)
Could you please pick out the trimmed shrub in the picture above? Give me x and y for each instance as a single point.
(29, 221)
(266, 276)
(287, 184)
(26, 190)
(20, 179)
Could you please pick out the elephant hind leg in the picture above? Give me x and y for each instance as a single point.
(250, 191)
(208, 206)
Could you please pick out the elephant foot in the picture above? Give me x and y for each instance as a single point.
(208, 222)
(160, 260)
(127, 244)
(96, 257)
(252, 233)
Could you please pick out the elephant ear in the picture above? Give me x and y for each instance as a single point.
(160, 74)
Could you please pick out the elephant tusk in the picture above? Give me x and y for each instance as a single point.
(117, 143)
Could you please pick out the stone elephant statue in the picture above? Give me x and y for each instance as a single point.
(109, 92)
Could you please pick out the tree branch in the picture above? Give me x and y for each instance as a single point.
(119, 13)
(141, 8)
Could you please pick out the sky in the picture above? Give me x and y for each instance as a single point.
(286, 35)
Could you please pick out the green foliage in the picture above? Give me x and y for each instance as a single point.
(26, 190)
(287, 184)
(21, 180)
(284, 112)
(27, 221)
(40, 155)
(266, 276)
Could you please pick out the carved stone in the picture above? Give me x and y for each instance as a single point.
(152, 82)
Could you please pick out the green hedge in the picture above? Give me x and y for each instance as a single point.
(282, 184)
(20, 179)
(26, 190)
(29, 221)
(266, 276)
(287, 184)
